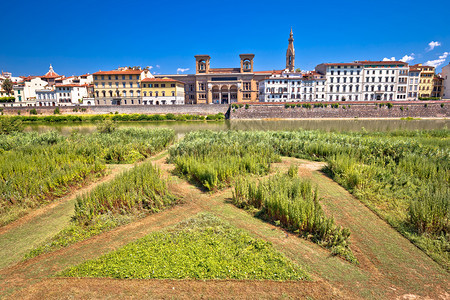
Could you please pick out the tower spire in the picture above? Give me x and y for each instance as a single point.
(290, 53)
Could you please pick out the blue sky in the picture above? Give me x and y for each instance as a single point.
(79, 37)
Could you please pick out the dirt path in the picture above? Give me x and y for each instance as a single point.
(391, 267)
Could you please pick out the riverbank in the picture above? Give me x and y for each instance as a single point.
(343, 110)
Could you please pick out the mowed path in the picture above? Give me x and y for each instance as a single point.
(390, 266)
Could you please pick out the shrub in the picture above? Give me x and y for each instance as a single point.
(106, 126)
(247, 106)
(57, 111)
(389, 105)
(33, 111)
(7, 99)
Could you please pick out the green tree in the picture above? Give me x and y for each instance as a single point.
(7, 86)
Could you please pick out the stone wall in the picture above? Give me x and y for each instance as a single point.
(200, 109)
(398, 110)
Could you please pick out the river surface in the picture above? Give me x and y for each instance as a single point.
(182, 128)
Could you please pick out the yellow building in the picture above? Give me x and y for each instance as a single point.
(119, 87)
(162, 91)
(426, 80)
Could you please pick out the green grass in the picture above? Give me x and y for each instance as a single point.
(37, 168)
(203, 247)
(291, 202)
(115, 117)
(213, 159)
(129, 196)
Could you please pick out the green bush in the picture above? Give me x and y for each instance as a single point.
(57, 111)
(33, 111)
(7, 99)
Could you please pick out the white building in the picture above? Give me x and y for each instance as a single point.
(413, 83)
(343, 80)
(71, 94)
(446, 85)
(283, 86)
(46, 97)
(366, 80)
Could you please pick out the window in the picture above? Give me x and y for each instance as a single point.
(131, 85)
(156, 94)
(103, 77)
(173, 94)
(172, 85)
(131, 77)
(156, 85)
(163, 85)
(163, 93)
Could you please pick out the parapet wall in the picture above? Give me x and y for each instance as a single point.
(434, 109)
(199, 109)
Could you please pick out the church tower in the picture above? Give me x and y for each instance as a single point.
(290, 54)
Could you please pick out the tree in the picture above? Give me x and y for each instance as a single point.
(298, 70)
(7, 86)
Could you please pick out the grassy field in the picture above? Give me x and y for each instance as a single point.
(402, 175)
(390, 266)
(129, 196)
(203, 247)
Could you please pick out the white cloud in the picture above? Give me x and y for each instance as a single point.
(149, 67)
(437, 62)
(158, 66)
(389, 59)
(182, 70)
(407, 58)
(432, 45)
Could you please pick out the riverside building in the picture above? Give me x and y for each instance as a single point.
(162, 91)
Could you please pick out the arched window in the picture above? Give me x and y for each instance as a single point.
(110, 93)
(104, 94)
(145, 94)
(247, 65)
(124, 93)
(131, 93)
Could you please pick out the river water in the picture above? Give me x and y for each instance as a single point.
(182, 128)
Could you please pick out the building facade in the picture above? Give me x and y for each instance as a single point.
(344, 81)
(293, 87)
(71, 94)
(221, 85)
(413, 83)
(426, 80)
(438, 86)
(446, 82)
(119, 87)
(162, 91)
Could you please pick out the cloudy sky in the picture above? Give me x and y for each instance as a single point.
(86, 36)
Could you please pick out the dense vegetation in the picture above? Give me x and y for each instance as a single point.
(291, 201)
(131, 195)
(203, 247)
(212, 159)
(115, 117)
(403, 175)
(35, 168)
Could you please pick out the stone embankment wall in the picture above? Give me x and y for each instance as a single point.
(200, 109)
(347, 110)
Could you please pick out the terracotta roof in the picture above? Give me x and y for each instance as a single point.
(160, 80)
(380, 62)
(72, 85)
(51, 73)
(341, 64)
(118, 72)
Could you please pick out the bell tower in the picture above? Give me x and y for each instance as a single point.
(290, 54)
